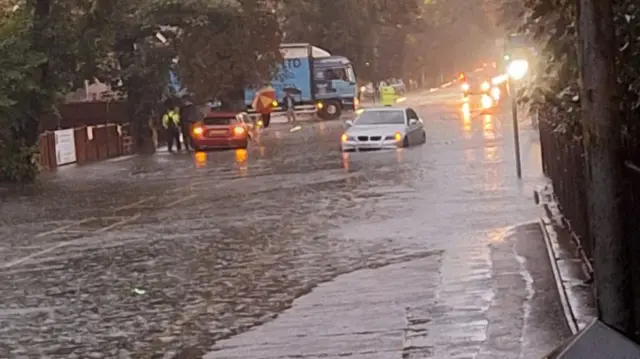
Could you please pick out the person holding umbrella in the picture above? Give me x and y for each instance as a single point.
(264, 102)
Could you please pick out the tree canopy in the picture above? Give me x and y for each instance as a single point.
(393, 39)
(50, 47)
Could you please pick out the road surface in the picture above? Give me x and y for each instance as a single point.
(289, 249)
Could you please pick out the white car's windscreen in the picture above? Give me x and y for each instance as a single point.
(381, 118)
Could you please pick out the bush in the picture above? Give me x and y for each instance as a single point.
(17, 88)
(17, 160)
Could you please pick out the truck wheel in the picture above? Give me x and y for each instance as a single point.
(331, 111)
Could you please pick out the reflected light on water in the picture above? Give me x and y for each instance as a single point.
(399, 155)
(490, 154)
(241, 155)
(466, 111)
(489, 127)
(322, 128)
(345, 160)
(466, 119)
(497, 235)
(261, 150)
(241, 161)
(201, 159)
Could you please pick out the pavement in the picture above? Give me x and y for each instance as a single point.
(289, 249)
(572, 269)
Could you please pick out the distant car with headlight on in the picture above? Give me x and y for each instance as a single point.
(476, 86)
(383, 127)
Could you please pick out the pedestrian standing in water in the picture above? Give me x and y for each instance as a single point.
(288, 103)
(171, 124)
(188, 116)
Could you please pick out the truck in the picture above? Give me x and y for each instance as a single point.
(320, 83)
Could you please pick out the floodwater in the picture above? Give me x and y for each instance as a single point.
(426, 252)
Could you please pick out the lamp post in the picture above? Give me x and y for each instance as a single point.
(516, 70)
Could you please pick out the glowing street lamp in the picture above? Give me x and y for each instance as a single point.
(518, 69)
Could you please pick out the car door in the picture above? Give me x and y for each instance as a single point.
(413, 132)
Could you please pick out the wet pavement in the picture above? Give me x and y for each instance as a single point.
(430, 251)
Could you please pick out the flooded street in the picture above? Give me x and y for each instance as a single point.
(290, 249)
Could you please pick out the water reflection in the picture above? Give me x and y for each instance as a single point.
(200, 158)
(261, 150)
(241, 161)
(399, 155)
(490, 154)
(466, 119)
(489, 128)
(345, 160)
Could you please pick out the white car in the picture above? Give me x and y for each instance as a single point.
(383, 127)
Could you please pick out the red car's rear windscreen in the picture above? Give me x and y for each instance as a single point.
(219, 121)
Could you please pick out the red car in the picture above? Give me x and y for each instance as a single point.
(219, 129)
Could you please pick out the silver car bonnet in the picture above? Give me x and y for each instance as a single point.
(375, 130)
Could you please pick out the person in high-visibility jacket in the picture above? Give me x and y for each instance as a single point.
(171, 124)
(388, 95)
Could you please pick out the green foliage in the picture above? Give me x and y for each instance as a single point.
(392, 38)
(553, 84)
(17, 63)
(50, 47)
(224, 48)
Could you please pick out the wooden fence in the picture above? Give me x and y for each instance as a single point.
(92, 143)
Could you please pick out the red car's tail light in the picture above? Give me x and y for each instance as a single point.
(198, 131)
(238, 131)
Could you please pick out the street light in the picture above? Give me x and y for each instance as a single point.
(516, 70)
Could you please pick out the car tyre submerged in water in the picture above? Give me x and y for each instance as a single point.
(405, 142)
(424, 137)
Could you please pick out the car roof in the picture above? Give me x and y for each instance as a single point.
(386, 108)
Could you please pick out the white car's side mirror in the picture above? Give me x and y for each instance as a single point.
(413, 121)
(349, 123)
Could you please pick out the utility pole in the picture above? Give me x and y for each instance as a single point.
(601, 130)
(516, 131)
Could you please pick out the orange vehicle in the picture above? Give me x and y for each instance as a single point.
(221, 129)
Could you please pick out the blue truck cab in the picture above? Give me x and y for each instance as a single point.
(320, 83)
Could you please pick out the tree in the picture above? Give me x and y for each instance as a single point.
(226, 48)
(17, 62)
(370, 33)
(602, 140)
(52, 46)
(215, 48)
(555, 89)
(47, 46)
